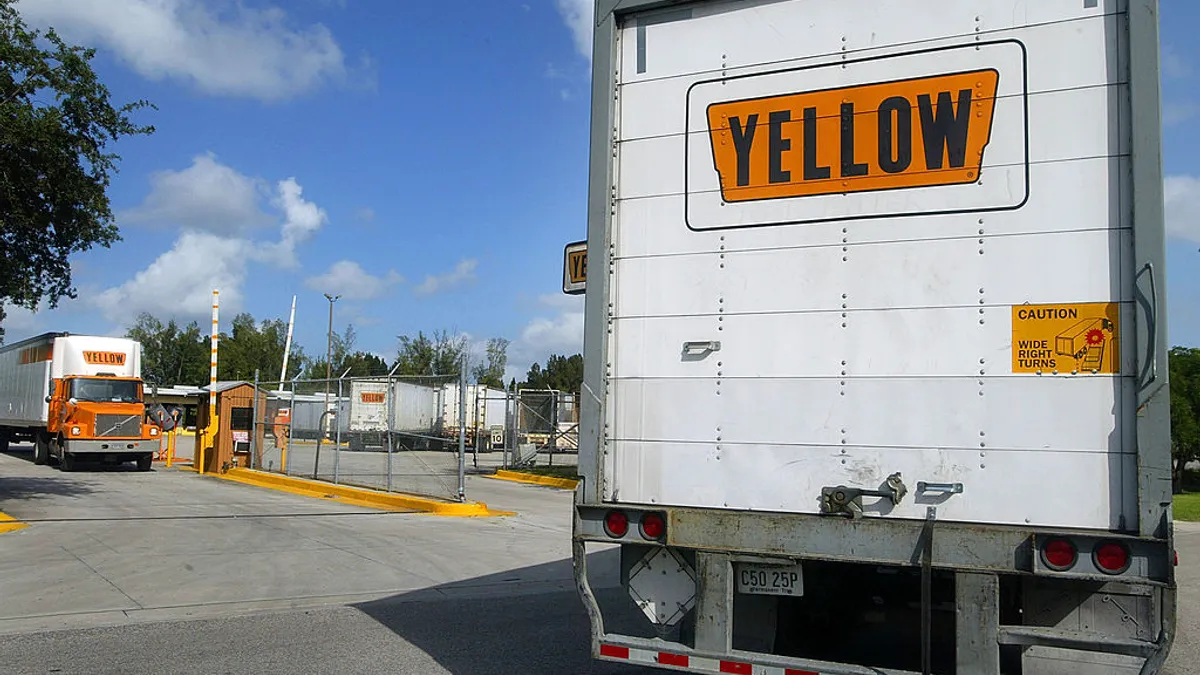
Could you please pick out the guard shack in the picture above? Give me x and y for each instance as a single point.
(236, 403)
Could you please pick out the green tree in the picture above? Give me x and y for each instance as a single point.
(56, 121)
(491, 371)
(1184, 366)
(439, 354)
(175, 355)
(345, 356)
(563, 373)
(251, 346)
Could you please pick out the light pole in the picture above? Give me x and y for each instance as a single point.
(329, 351)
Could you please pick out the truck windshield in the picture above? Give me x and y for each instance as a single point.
(105, 391)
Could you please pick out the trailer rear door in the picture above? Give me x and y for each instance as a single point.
(903, 245)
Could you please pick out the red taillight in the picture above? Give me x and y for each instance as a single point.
(1112, 558)
(1059, 554)
(653, 526)
(616, 523)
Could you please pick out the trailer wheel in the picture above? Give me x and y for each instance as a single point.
(144, 462)
(41, 450)
(4, 439)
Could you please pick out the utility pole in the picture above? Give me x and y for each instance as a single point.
(329, 351)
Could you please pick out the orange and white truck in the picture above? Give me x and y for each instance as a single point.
(73, 396)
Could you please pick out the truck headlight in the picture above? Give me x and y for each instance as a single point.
(153, 431)
(75, 431)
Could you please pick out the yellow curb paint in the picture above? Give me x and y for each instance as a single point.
(10, 524)
(534, 479)
(360, 496)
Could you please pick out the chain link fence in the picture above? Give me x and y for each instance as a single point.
(545, 430)
(412, 434)
(399, 434)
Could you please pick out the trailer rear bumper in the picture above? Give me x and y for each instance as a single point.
(130, 446)
(1098, 623)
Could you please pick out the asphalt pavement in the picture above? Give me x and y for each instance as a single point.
(168, 571)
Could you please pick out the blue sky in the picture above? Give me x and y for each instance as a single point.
(427, 163)
(428, 169)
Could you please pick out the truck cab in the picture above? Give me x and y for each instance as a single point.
(102, 416)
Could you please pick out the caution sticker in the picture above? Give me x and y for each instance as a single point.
(1075, 339)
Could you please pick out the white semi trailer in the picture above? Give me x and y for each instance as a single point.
(875, 343)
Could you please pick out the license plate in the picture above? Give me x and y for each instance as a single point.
(757, 579)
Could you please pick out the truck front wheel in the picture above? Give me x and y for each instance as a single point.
(144, 462)
(68, 462)
(41, 449)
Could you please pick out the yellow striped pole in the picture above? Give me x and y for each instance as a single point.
(210, 434)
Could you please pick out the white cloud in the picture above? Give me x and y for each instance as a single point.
(579, 15)
(180, 281)
(19, 321)
(207, 196)
(463, 273)
(349, 280)
(302, 219)
(366, 214)
(1181, 195)
(560, 333)
(223, 48)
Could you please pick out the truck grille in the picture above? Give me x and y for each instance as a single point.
(120, 426)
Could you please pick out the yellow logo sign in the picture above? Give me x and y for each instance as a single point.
(104, 358)
(372, 397)
(575, 268)
(921, 132)
(1072, 339)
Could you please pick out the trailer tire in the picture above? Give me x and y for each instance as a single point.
(145, 462)
(4, 440)
(41, 450)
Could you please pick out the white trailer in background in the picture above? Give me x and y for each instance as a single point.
(875, 340)
(408, 410)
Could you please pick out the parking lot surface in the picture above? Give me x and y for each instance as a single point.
(168, 571)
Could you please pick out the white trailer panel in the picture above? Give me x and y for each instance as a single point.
(867, 320)
(25, 370)
(414, 407)
(89, 356)
(368, 405)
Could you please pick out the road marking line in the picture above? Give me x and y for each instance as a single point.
(10, 524)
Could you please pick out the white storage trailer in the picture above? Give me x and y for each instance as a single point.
(875, 337)
(412, 409)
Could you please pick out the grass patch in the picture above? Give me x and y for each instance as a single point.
(571, 472)
(1187, 506)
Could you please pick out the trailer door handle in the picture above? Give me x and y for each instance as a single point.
(694, 347)
(944, 488)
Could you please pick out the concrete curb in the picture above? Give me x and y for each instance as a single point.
(359, 496)
(10, 524)
(534, 479)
